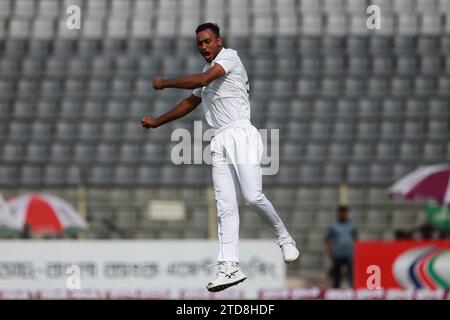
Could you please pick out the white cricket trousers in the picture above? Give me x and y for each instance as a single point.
(236, 152)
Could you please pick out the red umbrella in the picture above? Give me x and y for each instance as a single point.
(43, 213)
(425, 183)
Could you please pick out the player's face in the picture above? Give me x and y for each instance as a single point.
(208, 44)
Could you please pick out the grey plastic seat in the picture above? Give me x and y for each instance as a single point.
(410, 152)
(64, 47)
(438, 130)
(343, 130)
(333, 65)
(309, 45)
(346, 108)
(415, 107)
(124, 175)
(74, 88)
(405, 44)
(129, 153)
(434, 152)
(367, 131)
(297, 130)
(56, 66)
(358, 173)
(37, 153)
(357, 45)
(362, 152)
(148, 175)
(332, 87)
(51, 89)
(23, 109)
(106, 153)
(383, 65)
(369, 108)
(98, 89)
(18, 131)
(386, 151)
(60, 153)
(390, 130)
(171, 175)
(9, 175)
(100, 175)
(338, 152)
(93, 109)
(307, 87)
(13, 153)
(260, 44)
(71, 109)
(30, 175)
(55, 175)
(196, 175)
(316, 152)
(27, 89)
(392, 108)
(332, 174)
(79, 67)
(438, 108)
(428, 45)
(401, 87)
(431, 64)
(88, 131)
(153, 153)
(381, 173)
(382, 45)
(102, 66)
(282, 88)
(133, 131)
(413, 129)
(320, 130)
(310, 65)
(283, 44)
(286, 66)
(142, 89)
(407, 65)
(358, 65)
(425, 87)
(291, 152)
(310, 174)
(117, 109)
(111, 131)
(84, 153)
(287, 175)
(378, 87)
(262, 65)
(444, 87)
(32, 67)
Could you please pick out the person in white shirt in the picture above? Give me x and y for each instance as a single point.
(236, 148)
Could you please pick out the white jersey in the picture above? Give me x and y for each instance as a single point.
(226, 99)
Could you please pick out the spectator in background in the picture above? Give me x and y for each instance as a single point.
(340, 238)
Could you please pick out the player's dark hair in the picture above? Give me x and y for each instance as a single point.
(209, 25)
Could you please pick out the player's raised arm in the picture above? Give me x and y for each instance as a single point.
(180, 110)
(190, 82)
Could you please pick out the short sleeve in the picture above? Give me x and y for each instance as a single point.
(197, 92)
(228, 62)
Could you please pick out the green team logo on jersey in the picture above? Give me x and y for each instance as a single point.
(438, 216)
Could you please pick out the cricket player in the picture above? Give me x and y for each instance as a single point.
(236, 148)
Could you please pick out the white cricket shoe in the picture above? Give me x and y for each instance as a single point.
(229, 274)
(289, 250)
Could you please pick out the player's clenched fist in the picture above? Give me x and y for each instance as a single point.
(158, 83)
(149, 122)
